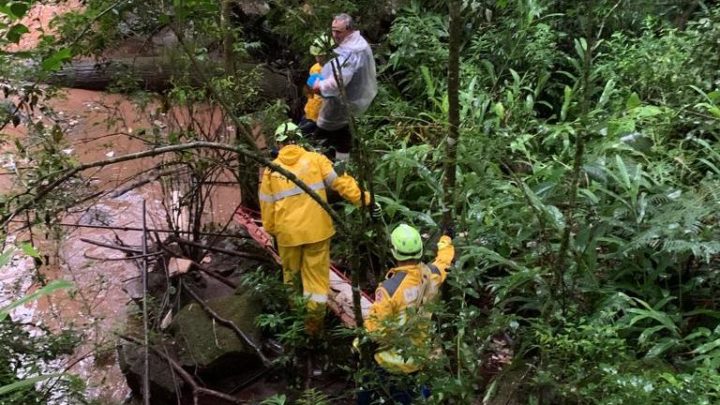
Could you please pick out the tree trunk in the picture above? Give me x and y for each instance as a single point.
(154, 73)
(453, 112)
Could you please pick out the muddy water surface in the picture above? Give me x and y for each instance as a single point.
(97, 126)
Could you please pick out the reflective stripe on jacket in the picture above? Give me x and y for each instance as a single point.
(290, 214)
(407, 287)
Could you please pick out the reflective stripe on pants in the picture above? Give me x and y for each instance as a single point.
(312, 261)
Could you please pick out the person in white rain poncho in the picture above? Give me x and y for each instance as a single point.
(354, 67)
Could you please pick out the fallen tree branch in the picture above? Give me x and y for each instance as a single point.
(220, 250)
(111, 246)
(217, 276)
(119, 259)
(230, 324)
(202, 268)
(187, 377)
(64, 175)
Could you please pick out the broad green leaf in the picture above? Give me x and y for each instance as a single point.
(567, 99)
(647, 111)
(16, 32)
(702, 349)
(48, 289)
(26, 383)
(30, 250)
(623, 172)
(18, 9)
(6, 256)
(499, 110)
(661, 347)
(714, 96)
(56, 60)
(633, 101)
(607, 92)
(648, 332)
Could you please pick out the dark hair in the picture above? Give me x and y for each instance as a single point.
(347, 19)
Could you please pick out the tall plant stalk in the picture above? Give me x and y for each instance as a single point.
(453, 112)
(587, 91)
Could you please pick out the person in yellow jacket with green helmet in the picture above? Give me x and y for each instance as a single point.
(399, 318)
(318, 50)
(301, 227)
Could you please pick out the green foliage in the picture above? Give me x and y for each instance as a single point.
(588, 173)
(25, 357)
(620, 319)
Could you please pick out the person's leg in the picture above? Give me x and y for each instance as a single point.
(343, 142)
(316, 283)
(322, 138)
(339, 140)
(291, 258)
(307, 127)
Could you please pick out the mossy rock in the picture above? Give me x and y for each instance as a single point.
(210, 347)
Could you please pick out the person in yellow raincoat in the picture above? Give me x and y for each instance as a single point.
(318, 50)
(301, 227)
(401, 311)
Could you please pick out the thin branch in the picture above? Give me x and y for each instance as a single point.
(119, 259)
(111, 246)
(146, 330)
(42, 191)
(133, 228)
(219, 250)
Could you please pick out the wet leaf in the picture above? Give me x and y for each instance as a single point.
(18, 9)
(16, 32)
(48, 289)
(56, 60)
(26, 383)
(30, 250)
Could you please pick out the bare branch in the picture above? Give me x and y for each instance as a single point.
(42, 191)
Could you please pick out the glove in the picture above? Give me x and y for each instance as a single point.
(376, 211)
(312, 79)
(449, 230)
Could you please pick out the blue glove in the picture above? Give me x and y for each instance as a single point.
(313, 78)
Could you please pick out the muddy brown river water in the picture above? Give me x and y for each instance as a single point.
(99, 306)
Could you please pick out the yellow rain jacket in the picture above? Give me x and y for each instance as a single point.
(404, 293)
(290, 214)
(314, 101)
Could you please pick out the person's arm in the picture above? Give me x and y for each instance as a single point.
(443, 259)
(345, 66)
(267, 203)
(344, 184)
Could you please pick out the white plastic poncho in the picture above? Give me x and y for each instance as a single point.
(354, 61)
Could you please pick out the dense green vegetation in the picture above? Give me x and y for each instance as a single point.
(588, 175)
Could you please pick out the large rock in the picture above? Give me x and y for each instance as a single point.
(165, 386)
(211, 348)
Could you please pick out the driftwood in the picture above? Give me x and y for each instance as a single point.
(155, 73)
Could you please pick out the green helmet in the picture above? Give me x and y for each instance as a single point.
(320, 45)
(287, 130)
(407, 243)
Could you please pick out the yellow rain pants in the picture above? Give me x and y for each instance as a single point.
(312, 262)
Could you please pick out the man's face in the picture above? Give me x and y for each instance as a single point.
(339, 31)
